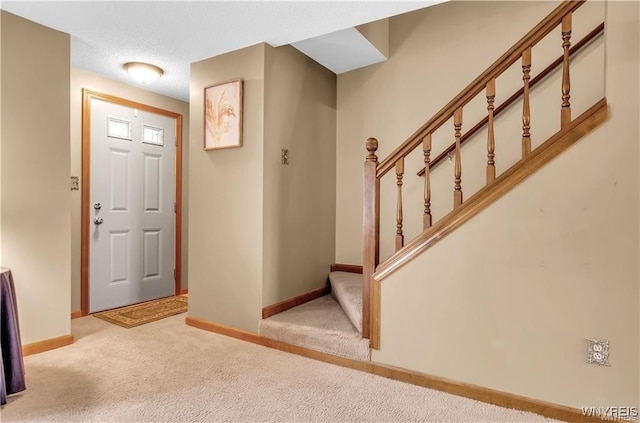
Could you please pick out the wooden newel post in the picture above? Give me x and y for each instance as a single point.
(370, 231)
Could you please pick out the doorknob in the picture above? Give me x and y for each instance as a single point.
(98, 221)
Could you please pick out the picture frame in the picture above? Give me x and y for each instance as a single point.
(223, 115)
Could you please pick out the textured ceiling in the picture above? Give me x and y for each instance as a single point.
(173, 34)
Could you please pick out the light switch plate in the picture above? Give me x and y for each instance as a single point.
(598, 352)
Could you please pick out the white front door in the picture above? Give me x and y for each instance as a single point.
(132, 216)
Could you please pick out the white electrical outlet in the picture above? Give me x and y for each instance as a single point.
(598, 352)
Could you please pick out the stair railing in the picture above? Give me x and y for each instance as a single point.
(597, 31)
(374, 170)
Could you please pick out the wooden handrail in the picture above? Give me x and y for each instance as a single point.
(564, 138)
(539, 77)
(498, 67)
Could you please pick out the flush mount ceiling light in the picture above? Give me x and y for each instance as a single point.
(144, 73)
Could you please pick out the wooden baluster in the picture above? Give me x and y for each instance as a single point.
(399, 174)
(426, 148)
(565, 113)
(526, 112)
(457, 190)
(491, 142)
(371, 231)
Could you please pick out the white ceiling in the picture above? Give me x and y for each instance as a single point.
(173, 34)
(341, 51)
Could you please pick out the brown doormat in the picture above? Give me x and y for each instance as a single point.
(142, 313)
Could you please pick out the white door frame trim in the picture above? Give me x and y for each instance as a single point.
(87, 96)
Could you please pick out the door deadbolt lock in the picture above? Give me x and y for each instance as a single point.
(98, 221)
(97, 206)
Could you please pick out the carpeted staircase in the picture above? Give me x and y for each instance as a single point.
(330, 324)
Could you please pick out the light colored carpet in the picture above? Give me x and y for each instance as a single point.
(166, 371)
(347, 288)
(139, 314)
(319, 325)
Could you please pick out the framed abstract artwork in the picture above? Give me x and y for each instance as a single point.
(223, 115)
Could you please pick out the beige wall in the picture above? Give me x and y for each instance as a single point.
(507, 300)
(377, 33)
(36, 242)
(299, 199)
(82, 79)
(262, 232)
(0, 140)
(226, 200)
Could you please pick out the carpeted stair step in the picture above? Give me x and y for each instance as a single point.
(320, 325)
(347, 288)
